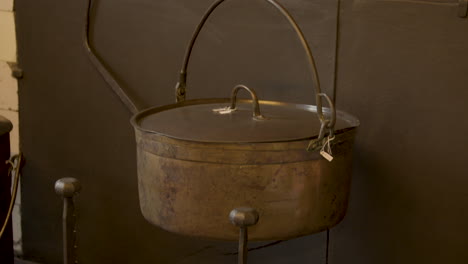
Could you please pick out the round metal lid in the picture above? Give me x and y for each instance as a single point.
(202, 121)
(5, 126)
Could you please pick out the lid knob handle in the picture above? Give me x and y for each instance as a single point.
(255, 105)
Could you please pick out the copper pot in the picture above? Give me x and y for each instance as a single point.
(196, 165)
(289, 164)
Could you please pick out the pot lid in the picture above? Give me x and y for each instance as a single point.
(211, 120)
(5, 126)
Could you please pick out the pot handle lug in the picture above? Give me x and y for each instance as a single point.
(182, 84)
(243, 218)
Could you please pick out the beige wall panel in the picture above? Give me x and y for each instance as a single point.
(6, 5)
(8, 88)
(17, 226)
(7, 36)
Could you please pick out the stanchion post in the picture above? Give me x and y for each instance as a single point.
(68, 188)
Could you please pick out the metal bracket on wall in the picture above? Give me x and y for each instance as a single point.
(16, 71)
(462, 8)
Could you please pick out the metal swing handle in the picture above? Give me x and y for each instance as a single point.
(182, 84)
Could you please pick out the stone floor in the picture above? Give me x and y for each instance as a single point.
(20, 261)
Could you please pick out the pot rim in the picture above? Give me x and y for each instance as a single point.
(352, 121)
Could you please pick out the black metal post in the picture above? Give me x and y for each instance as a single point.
(68, 188)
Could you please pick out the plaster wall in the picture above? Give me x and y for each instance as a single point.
(9, 96)
(6, 5)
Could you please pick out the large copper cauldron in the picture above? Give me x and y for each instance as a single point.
(195, 166)
(200, 159)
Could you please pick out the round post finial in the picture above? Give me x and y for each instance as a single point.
(67, 187)
(243, 217)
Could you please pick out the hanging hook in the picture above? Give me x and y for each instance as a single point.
(99, 66)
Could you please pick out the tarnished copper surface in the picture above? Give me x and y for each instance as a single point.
(191, 187)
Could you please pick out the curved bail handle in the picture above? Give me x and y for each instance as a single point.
(182, 84)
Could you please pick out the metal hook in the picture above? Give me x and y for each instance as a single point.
(105, 73)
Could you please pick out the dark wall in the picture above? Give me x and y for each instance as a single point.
(402, 70)
(73, 125)
(404, 73)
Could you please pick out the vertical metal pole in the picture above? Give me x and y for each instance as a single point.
(337, 50)
(243, 217)
(68, 222)
(68, 188)
(243, 238)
